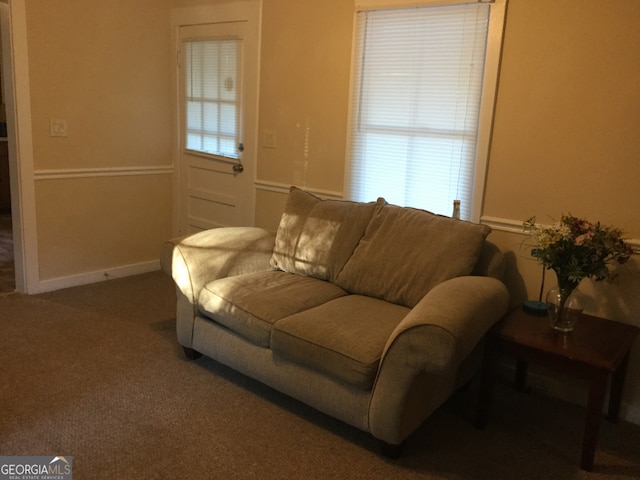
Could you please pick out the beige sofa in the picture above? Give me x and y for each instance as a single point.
(369, 312)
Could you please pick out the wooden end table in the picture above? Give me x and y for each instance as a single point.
(595, 350)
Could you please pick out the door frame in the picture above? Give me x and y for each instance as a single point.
(249, 11)
(15, 69)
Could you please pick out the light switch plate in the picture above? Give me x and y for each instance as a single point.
(269, 139)
(58, 127)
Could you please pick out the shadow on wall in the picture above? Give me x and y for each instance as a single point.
(513, 280)
(618, 297)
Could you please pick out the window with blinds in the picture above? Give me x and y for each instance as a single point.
(416, 98)
(212, 96)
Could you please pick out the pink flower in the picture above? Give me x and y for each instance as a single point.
(581, 239)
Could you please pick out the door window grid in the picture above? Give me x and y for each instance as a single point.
(212, 96)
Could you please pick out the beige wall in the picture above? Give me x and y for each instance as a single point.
(99, 223)
(566, 131)
(196, 3)
(565, 134)
(304, 92)
(107, 74)
(566, 117)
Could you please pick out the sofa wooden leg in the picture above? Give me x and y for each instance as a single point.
(390, 450)
(191, 354)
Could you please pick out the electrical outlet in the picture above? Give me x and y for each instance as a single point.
(58, 127)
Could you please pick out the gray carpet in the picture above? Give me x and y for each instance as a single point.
(95, 372)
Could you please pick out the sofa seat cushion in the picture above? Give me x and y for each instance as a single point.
(343, 338)
(405, 252)
(250, 304)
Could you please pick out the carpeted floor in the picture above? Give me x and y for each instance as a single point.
(7, 270)
(95, 372)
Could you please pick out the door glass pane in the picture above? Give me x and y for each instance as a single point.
(228, 119)
(211, 118)
(212, 107)
(194, 116)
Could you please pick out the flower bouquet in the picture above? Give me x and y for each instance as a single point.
(575, 249)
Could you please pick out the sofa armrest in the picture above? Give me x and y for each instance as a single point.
(206, 256)
(445, 326)
(218, 253)
(432, 340)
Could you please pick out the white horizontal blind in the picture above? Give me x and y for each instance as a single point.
(212, 95)
(415, 105)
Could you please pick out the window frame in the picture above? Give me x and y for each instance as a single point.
(487, 97)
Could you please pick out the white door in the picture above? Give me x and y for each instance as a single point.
(217, 84)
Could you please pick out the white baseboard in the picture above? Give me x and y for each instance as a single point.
(97, 276)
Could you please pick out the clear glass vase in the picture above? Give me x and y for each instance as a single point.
(565, 306)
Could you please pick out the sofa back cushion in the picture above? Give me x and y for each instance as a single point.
(491, 262)
(405, 252)
(316, 237)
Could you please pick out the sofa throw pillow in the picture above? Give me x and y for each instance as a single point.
(405, 252)
(316, 237)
